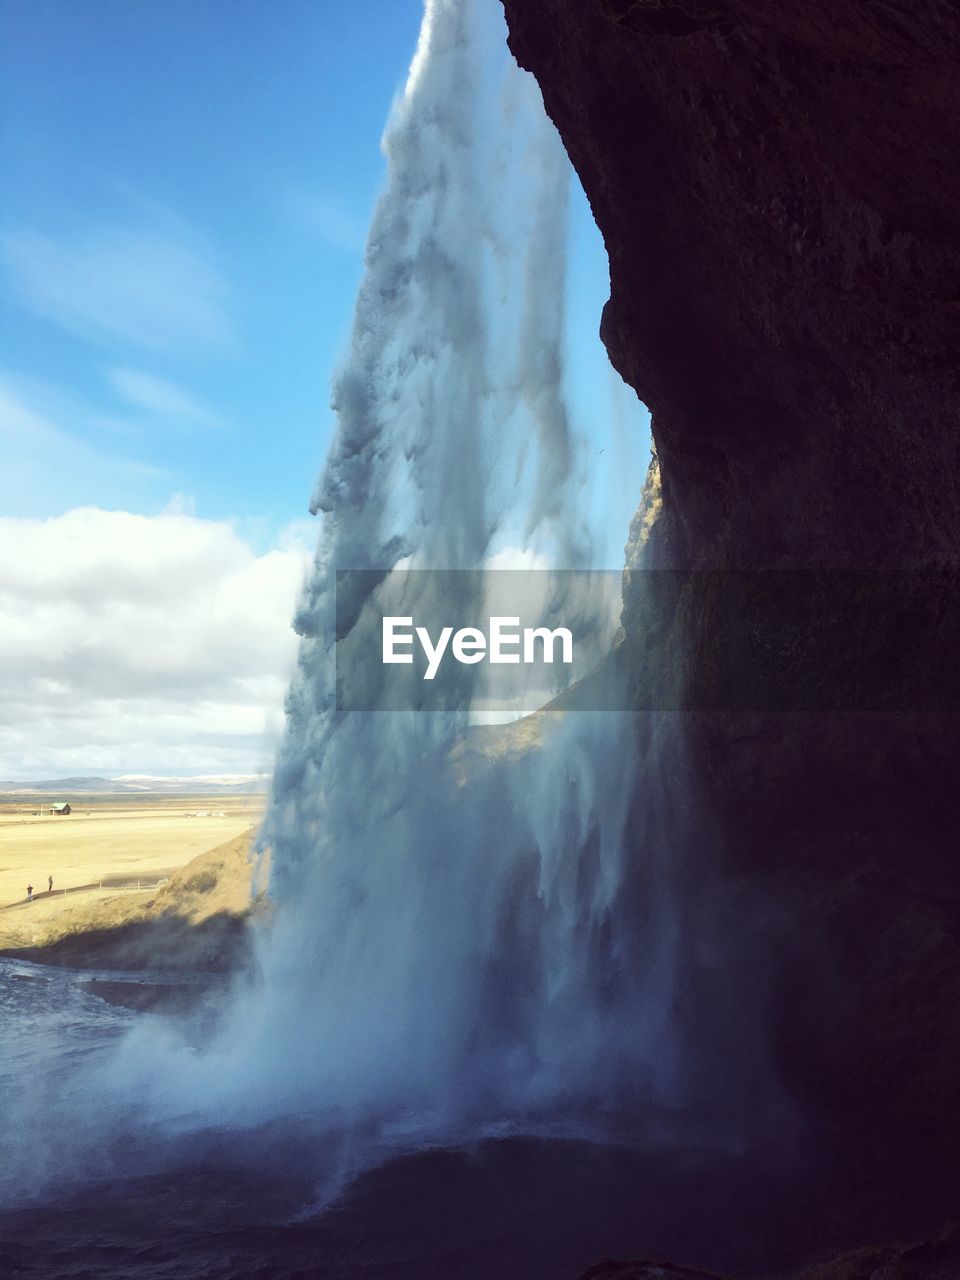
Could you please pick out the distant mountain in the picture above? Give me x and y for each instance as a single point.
(61, 784)
(142, 784)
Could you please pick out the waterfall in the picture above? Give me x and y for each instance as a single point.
(452, 945)
(441, 949)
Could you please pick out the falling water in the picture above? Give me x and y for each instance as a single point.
(447, 949)
(453, 944)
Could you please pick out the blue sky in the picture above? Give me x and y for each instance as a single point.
(187, 185)
(198, 176)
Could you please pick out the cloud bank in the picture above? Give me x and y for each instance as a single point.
(149, 644)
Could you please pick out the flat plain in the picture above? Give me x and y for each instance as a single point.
(114, 839)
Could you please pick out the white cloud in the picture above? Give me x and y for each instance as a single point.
(157, 396)
(155, 289)
(141, 644)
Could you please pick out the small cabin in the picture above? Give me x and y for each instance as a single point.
(62, 808)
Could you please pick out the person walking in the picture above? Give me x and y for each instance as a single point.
(49, 884)
(29, 892)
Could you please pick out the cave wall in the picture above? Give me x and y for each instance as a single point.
(779, 194)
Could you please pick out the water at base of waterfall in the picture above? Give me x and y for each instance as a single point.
(227, 1204)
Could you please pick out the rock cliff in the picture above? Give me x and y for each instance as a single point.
(778, 192)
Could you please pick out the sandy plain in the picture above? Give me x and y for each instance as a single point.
(114, 839)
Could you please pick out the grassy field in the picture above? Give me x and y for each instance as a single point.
(112, 838)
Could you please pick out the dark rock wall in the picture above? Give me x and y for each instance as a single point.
(778, 187)
(778, 191)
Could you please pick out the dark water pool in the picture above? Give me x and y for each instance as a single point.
(226, 1205)
(511, 1208)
